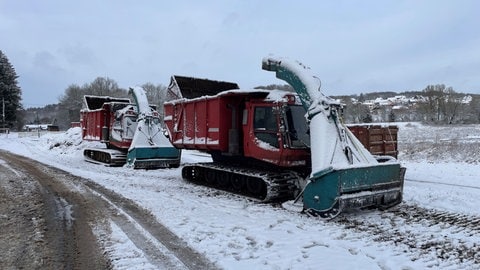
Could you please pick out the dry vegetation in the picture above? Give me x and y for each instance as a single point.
(457, 143)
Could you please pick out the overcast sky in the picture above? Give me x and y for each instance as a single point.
(353, 46)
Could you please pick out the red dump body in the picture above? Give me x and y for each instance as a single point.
(98, 118)
(92, 123)
(200, 123)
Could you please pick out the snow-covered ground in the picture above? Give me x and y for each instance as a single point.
(442, 174)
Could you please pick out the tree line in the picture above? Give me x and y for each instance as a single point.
(71, 102)
(438, 105)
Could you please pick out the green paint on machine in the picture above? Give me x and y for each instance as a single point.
(376, 186)
(149, 157)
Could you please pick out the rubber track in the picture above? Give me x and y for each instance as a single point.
(107, 157)
(279, 185)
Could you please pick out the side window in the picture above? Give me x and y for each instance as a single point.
(265, 119)
(265, 125)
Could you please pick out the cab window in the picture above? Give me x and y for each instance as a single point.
(298, 133)
(265, 125)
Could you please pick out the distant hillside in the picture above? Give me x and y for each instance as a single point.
(388, 94)
(43, 115)
(436, 104)
(364, 107)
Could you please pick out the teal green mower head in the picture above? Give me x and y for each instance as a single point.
(153, 157)
(332, 191)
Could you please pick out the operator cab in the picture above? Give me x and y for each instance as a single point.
(287, 121)
(277, 131)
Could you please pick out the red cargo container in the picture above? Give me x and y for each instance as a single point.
(98, 118)
(92, 123)
(378, 139)
(204, 123)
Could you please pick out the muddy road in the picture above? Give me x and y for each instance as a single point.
(52, 219)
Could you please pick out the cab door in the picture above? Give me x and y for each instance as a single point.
(262, 138)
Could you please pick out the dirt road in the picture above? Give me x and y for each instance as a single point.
(52, 219)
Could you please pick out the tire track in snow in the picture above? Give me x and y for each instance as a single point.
(58, 215)
(417, 213)
(163, 249)
(439, 183)
(156, 253)
(148, 234)
(440, 238)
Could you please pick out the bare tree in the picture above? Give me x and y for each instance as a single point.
(355, 112)
(156, 95)
(451, 106)
(70, 104)
(443, 105)
(71, 101)
(104, 86)
(432, 108)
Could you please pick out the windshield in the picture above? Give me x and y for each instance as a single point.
(129, 126)
(297, 127)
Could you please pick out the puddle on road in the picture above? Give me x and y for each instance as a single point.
(64, 212)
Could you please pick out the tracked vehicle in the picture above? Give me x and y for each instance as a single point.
(277, 145)
(131, 132)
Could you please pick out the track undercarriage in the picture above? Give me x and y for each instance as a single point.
(262, 185)
(116, 158)
(107, 157)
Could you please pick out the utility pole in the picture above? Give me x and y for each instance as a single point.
(3, 115)
(3, 111)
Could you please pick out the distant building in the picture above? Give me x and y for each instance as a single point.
(35, 127)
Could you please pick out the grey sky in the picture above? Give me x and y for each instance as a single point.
(353, 46)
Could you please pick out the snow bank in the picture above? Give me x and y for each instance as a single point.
(72, 138)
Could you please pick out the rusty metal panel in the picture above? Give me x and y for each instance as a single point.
(378, 139)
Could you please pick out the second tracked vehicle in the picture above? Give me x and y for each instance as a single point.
(131, 132)
(277, 145)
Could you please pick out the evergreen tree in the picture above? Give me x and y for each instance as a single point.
(10, 92)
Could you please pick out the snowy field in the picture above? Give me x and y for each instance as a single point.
(443, 175)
